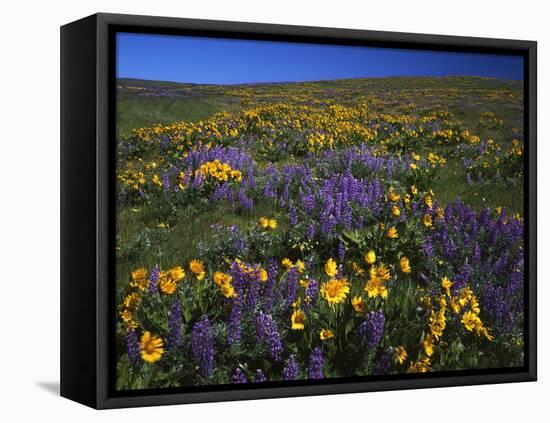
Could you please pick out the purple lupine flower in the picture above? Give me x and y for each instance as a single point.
(174, 326)
(315, 368)
(239, 377)
(260, 376)
(166, 181)
(133, 346)
(270, 285)
(383, 364)
(311, 293)
(234, 327)
(341, 251)
(202, 346)
(267, 331)
(291, 286)
(153, 279)
(372, 328)
(290, 372)
(292, 215)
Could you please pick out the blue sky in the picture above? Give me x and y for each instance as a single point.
(224, 61)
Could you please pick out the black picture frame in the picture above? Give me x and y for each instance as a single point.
(87, 210)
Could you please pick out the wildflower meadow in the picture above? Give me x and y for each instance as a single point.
(310, 230)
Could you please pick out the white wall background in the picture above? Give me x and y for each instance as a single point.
(29, 178)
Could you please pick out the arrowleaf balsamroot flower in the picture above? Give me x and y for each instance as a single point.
(335, 291)
(298, 320)
(331, 268)
(152, 347)
(392, 233)
(400, 354)
(370, 257)
(197, 267)
(405, 265)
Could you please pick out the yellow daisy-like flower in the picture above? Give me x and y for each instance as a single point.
(227, 290)
(413, 166)
(263, 275)
(395, 211)
(176, 273)
(421, 366)
(393, 196)
(126, 315)
(440, 213)
(152, 347)
(300, 266)
(267, 224)
(400, 354)
(358, 304)
(287, 263)
(428, 200)
(139, 279)
(298, 320)
(167, 286)
(326, 334)
(470, 320)
(446, 284)
(405, 265)
(428, 345)
(370, 257)
(218, 277)
(132, 301)
(375, 285)
(331, 268)
(196, 266)
(427, 220)
(392, 233)
(414, 190)
(335, 290)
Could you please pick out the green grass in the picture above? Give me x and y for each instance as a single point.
(136, 112)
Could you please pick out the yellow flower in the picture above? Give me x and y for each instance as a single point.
(446, 284)
(416, 156)
(287, 263)
(395, 211)
(393, 196)
(414, 190)
(167, 286)
(370, 257)
(470, 320)
(263, 275)
(326, 334)
(300, 266)
(139, 279)
(335, 290)
(266, 223)
(427, 220)
(197, 267)
(227, 290)
(413, 166)
(298, 320)
(375, 285)
(331, 268)
(439, 213)
(132, 301)
(428, 200)
(421, 366)
(356, 268)
(152, 347)
(358, 304)
(428, 345)
(176, 273)
(219, 277)
(405, 265)
(126, 315)
(392, 233)
(400, 354)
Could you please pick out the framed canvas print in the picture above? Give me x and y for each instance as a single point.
(254, 211)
